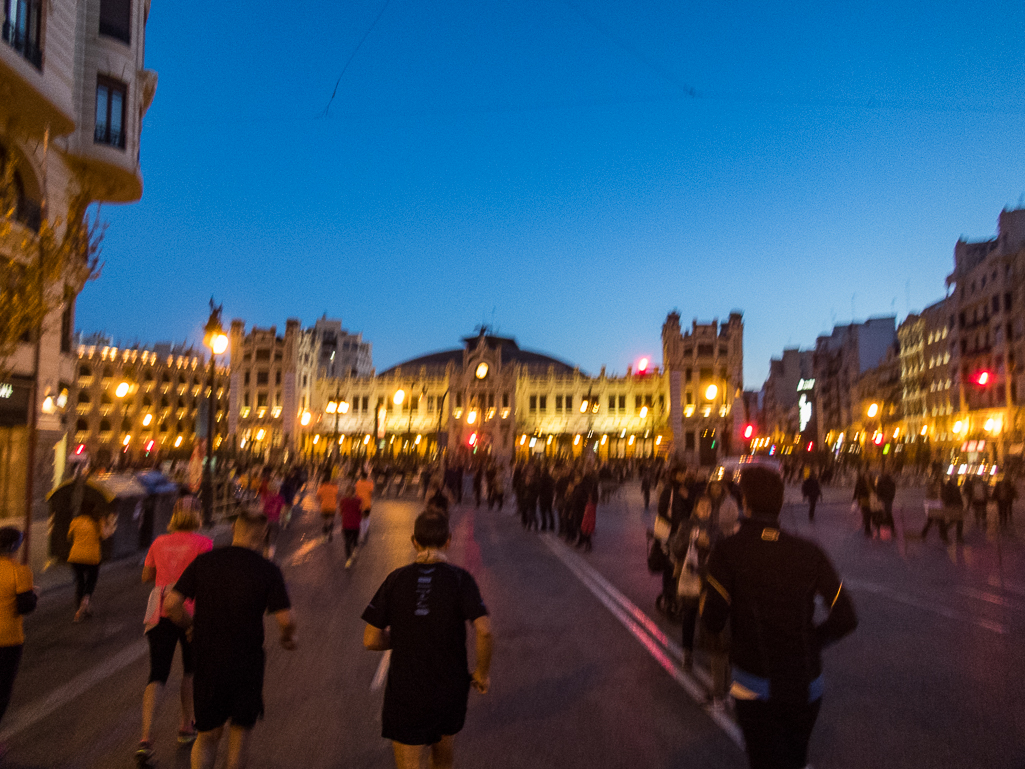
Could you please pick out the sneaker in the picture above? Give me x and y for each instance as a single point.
(144, 754)
(187, 736)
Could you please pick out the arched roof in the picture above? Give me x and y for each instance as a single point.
(509, 350)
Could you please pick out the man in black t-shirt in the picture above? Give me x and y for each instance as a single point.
(764, 581)
(420, 613)
(233, 587)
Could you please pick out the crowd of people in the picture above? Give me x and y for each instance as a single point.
(711, 538)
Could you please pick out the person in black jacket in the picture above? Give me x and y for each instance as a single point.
(674, 503)
(764, 582)
(811, 490)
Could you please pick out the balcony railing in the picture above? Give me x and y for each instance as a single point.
(105, 134)
(23, 42)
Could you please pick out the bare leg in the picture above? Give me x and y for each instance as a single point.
(442, 753)
(238, 747)
(150, 698)
(408, 756)
(204, 750)
(188, 715)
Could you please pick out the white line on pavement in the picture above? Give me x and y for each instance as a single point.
(301, 554)
(935, 608)
(643, 629)
(992, 598)
(26, 716)
(382, 671)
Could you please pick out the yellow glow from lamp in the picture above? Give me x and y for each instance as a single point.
(711, 391)
(576, 440)
(122, 390)
(873, 410)
(305, 418)
(958, 426)
(343, 407)
(331, 408)
(260, 433)
(644, 412)
(316, 439)
(147, 420)
(127, 440)
(178, 441)
(583, 406)
(471, 417)
(399, 397)
(218, 343)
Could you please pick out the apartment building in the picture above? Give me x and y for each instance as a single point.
(73, 92)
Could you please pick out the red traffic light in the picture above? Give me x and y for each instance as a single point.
(878, 440)
(749, 430)
(149, 445)
(811, 445)
(473, 439)
(982, 378)
(642, 365)
(80, 449)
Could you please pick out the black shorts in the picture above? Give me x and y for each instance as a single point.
(162, 641)
(221, 696)
(422, 723)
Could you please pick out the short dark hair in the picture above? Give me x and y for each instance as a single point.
(10, 540)
(431, 529)
(763, 491)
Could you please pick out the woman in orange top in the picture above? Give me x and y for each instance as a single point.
(327, 495)
(85, 534)
(17, 597)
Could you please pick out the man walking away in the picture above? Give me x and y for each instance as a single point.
(1005, 493)
(811, 490)
(233, 587)
(764, 582)
(420, 613)
(886, 490)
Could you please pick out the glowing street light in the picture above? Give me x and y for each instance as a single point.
(873, 410)
(711, 391)
(304, 420)
(399, 397)
(122, 390)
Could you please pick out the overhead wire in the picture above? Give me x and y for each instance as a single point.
(353, 55)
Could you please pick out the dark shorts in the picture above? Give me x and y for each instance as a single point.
(162, 642)
(422, 723)
(222, 696)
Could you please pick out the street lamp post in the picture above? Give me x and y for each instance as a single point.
(214, 338)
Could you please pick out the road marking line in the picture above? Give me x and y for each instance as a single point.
(992, 598)
(382, 671)
(301, 554)
(643, 629)
(1010, 587)
(30, 714)
(916, 603)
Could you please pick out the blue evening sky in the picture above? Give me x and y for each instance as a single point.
(568, 172)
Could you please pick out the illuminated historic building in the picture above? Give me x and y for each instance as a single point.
(489, 396)
(73, 92)
(147, 403)
(705, 385)
(988, 334)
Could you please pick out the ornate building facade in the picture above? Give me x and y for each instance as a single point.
(704, 369)
(492, 396)
(73, 92)
(144, 403)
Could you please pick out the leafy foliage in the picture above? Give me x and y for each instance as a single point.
(40, 270)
